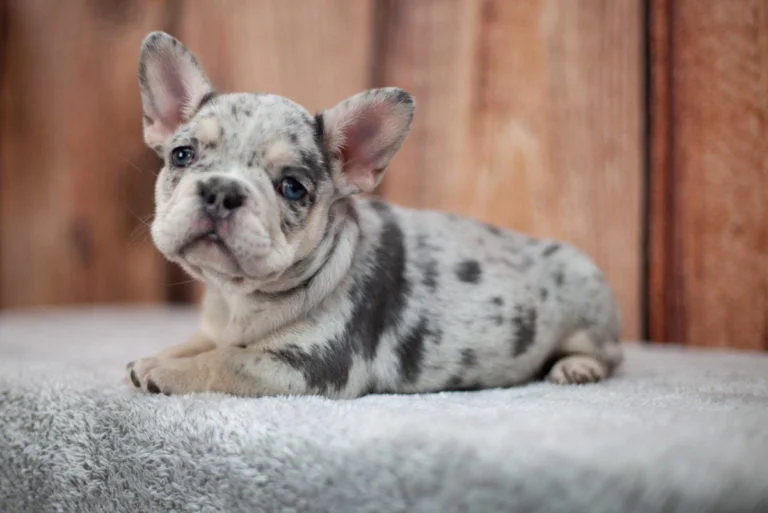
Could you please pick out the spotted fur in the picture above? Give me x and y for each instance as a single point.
(338, 295)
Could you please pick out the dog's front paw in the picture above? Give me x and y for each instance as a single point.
(165, 375)
(138, 373)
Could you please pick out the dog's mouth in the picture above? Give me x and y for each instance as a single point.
(209, 238)
(209, 246)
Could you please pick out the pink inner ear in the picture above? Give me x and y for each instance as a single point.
(171, 95)
(361, 134)
(367, 143)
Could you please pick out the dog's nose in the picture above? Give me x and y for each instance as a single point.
(220, 197)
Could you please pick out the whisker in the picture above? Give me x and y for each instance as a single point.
(179, 283)
(133, 165)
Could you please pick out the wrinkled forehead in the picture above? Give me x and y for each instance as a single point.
(254, 127)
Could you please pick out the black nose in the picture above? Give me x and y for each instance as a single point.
(220, 197)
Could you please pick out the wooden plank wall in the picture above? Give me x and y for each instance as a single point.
(530, 115)
(75, 179)
(709, 173)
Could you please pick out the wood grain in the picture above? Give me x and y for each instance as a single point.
(719, 159)
(528, 116)
(664, 306)
(76, 178)
(317, 54)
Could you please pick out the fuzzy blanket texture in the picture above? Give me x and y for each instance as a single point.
(675, 431)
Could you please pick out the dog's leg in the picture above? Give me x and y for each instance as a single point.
(585, 360)
(230, 370)
(197, 344)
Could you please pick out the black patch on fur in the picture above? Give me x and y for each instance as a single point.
(293, 137)
(310, 162)
(551, 249)
(559, 278)
(235, 112)
(403, 97)
(380, 295)
(152, 388)
(211, 145)
(324, 367)
(498, 300)
(493, 230)
(134, 379)
(248, 113)
(319, 126)
(410, 351)
(469, 271)
(543, 294)
(207, 97)
(241, 346)
(252, 159)
(468, 357)
(524, 323)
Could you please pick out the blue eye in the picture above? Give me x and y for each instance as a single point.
(182, 156)
(291, 189)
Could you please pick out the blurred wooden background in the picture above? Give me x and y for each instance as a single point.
(636, 129)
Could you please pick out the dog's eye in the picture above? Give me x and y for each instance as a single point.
(291, 189)
(182, 156)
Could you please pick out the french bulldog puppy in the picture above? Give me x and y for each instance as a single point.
(313, 289)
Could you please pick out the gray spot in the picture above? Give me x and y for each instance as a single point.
(468, 271)
(468, 357)
(325, 367)
(380, 294)
(410, 351)
(559, 278)
(550, 250)
(454, 382)
(498, 301)
(493, 230)
(543, 294)
(430, 274)
(524, 324)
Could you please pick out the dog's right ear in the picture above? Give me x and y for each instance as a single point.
(173, 86)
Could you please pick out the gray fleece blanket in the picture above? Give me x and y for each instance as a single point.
(676, 430)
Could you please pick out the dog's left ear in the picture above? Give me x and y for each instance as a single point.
(364, 132)
(173, 85)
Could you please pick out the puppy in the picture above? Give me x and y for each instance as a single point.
(312, 289)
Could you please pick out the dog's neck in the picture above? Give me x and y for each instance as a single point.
(233, 316)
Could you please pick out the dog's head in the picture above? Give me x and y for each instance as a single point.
(248, 179)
